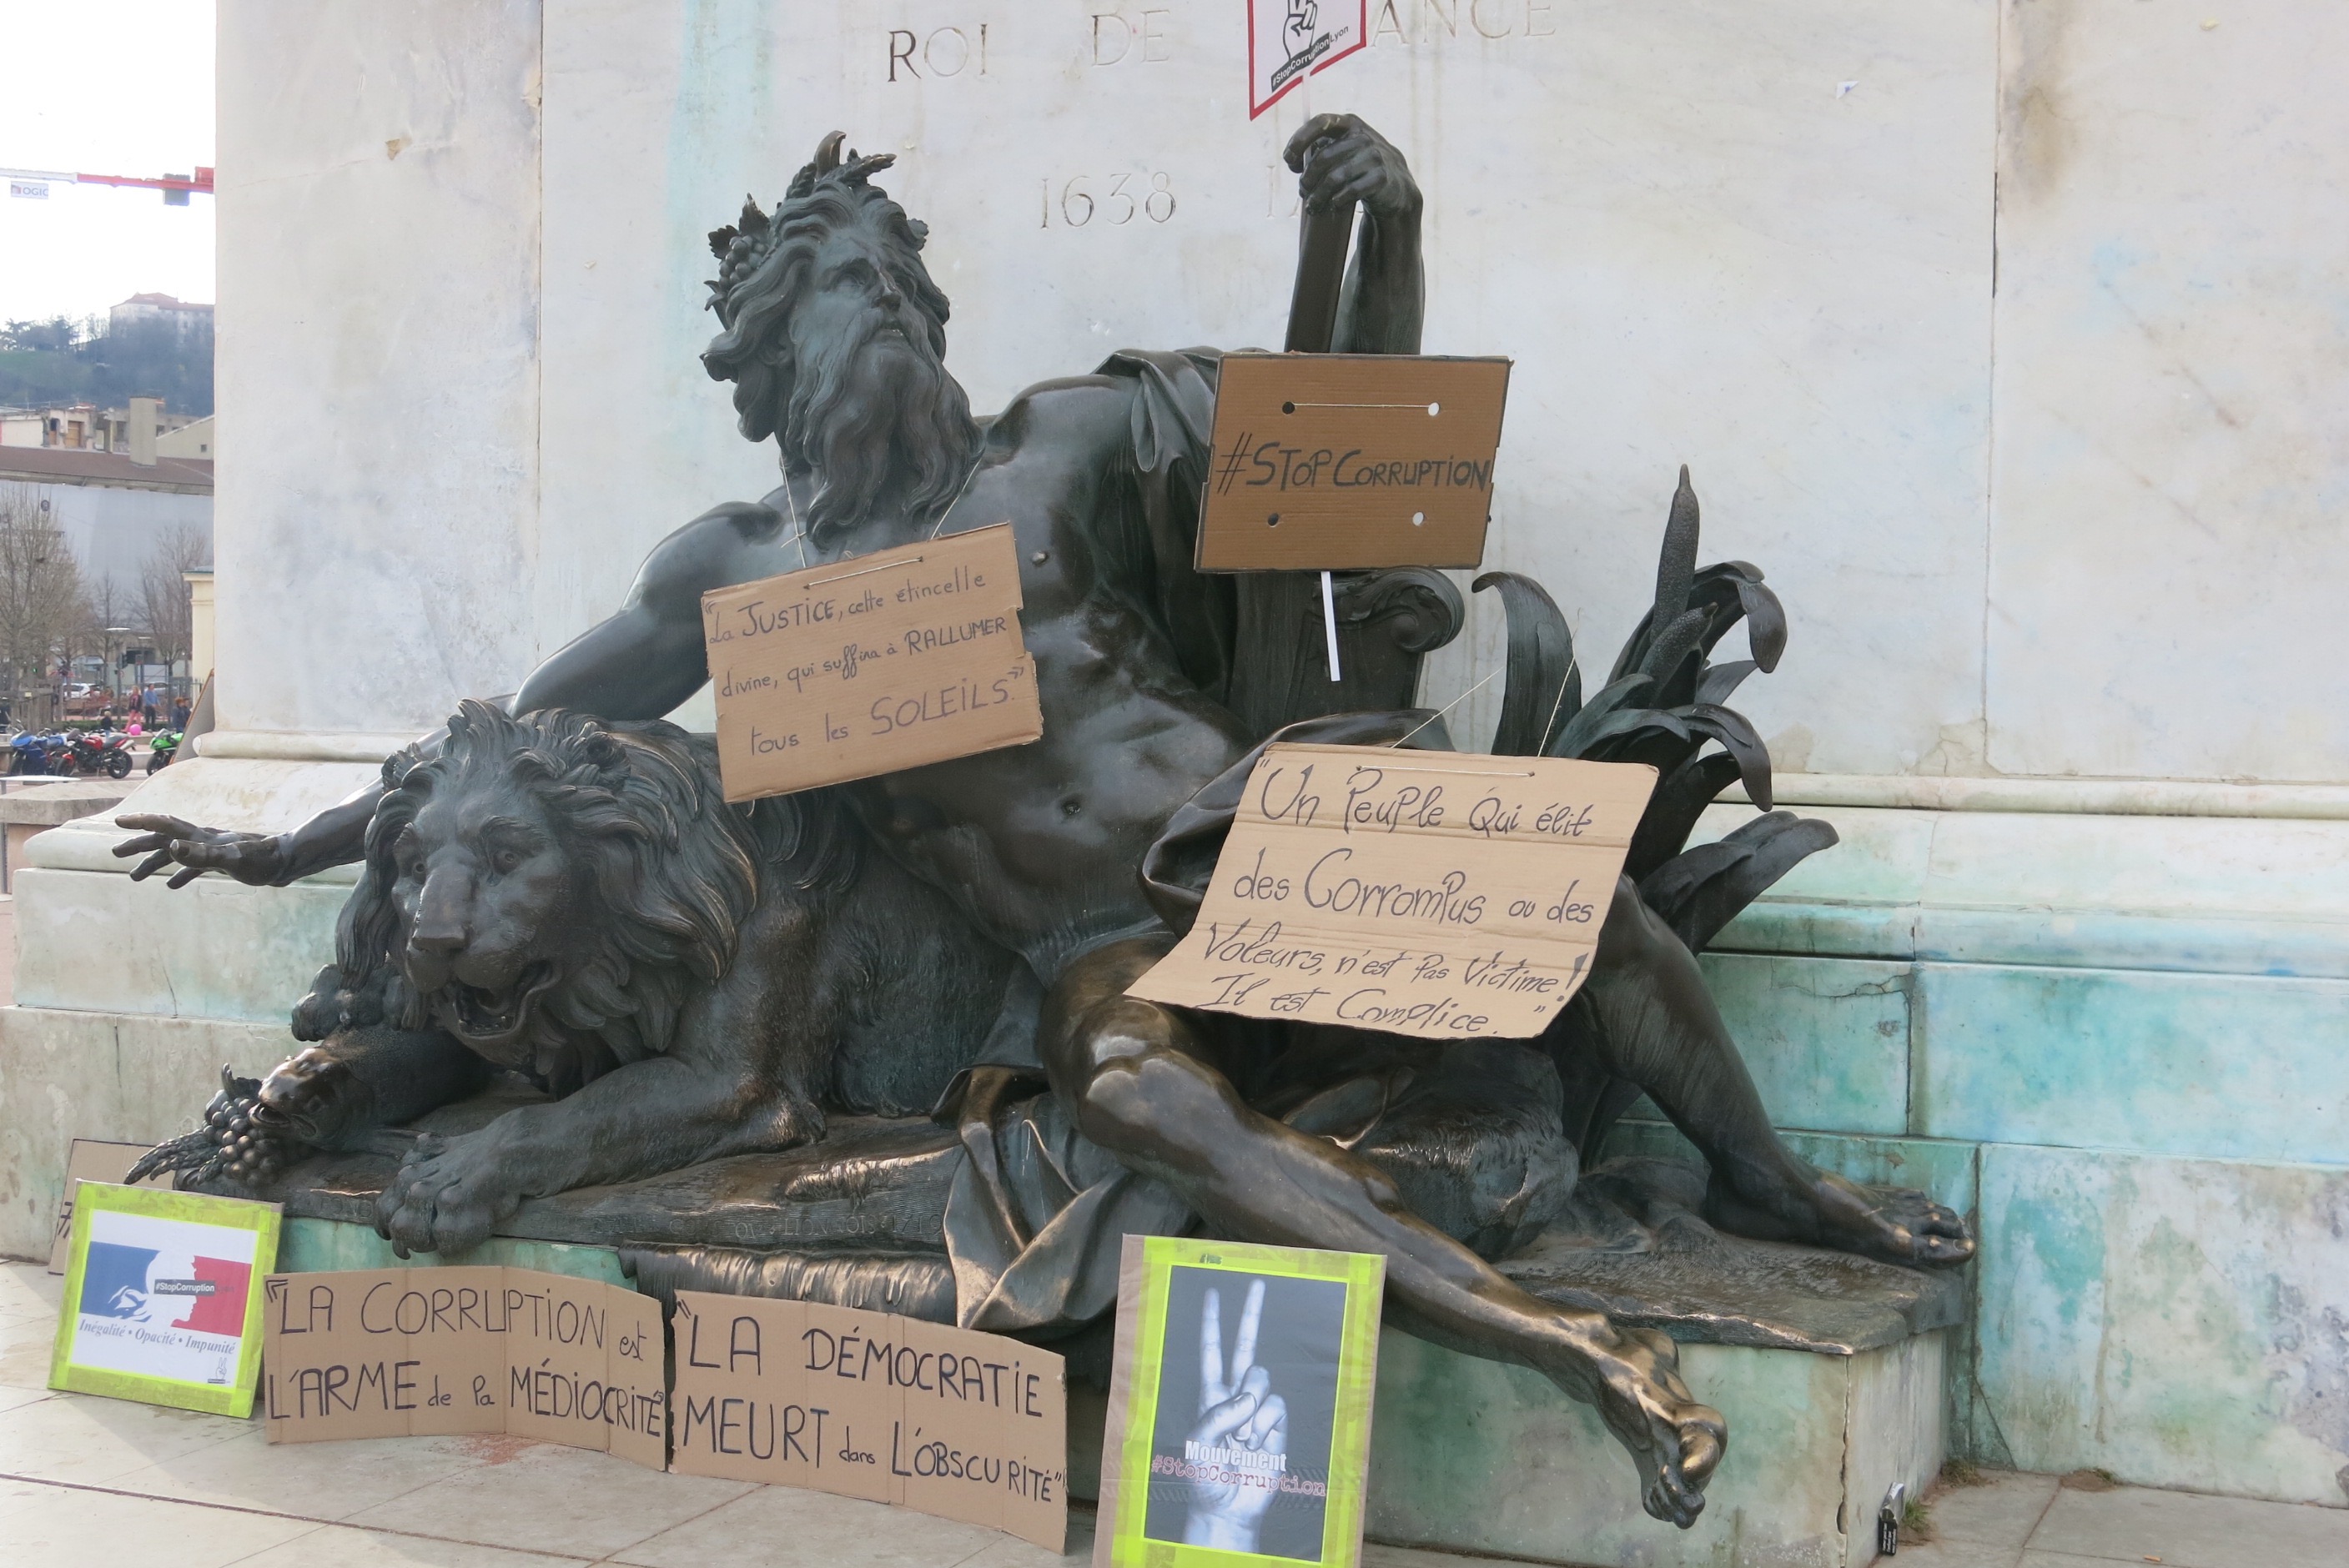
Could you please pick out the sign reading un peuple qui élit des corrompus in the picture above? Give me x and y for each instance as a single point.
(1420, 892)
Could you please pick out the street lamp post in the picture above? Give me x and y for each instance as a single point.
(114, 661)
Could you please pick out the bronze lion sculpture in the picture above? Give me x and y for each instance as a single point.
(572, 901)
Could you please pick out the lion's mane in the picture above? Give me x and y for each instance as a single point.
(674, 868)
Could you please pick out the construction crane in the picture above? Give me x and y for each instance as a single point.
(33, 184)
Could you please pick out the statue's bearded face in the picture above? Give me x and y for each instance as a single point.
(869, 405)
(836, 341)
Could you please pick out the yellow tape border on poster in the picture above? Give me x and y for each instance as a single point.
(229, 1213)
(1364, 1277)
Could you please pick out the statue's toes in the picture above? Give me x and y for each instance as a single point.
(1922, 1234)
(462, 1228)
(409, 1228)
(1942, 1237)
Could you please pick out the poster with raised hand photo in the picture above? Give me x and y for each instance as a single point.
(1239, 1418)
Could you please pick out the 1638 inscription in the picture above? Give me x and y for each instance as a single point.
(1419, 892)
(871, 664)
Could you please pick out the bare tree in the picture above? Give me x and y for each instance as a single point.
(163, 609)
(43, 604)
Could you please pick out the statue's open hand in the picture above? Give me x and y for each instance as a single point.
(256, 860)
(1242, 1418)
(1342, 159)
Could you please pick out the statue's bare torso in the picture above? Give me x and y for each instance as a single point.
(1038, 842)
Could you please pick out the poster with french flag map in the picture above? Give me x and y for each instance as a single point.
(163, 1297)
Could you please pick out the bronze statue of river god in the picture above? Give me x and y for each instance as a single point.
(558, 905)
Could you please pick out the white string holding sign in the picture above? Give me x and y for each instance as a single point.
(1330, 622)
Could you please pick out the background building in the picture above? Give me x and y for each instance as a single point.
(161, 309)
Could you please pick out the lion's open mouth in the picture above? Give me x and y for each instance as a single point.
(487, 1020)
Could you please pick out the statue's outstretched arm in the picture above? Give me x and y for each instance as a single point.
(336, 836)
(639, 664)
(1340, 160)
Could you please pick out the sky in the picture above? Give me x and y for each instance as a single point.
(122, 88)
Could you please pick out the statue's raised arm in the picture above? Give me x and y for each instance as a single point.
(1342, 161)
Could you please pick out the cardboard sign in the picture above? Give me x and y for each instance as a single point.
(1239, 1405)
(376, 1353)
(163, 1297)
(1326, 461)
(92, 1160)
(966, 1426)
(871, 665)
(1421, 892)
(1289, 41)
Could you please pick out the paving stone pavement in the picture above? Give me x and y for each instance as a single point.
(83, 1479)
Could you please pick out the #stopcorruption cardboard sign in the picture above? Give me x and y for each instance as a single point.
(1435, 893)
(163, 1297)
(384, 1353)
(871, 664)
(1331, 461)
(963, 1425)
(1240, 1409)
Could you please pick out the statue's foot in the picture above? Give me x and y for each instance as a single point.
(1890, 1224)
(1675, 1441)
(448, 1195)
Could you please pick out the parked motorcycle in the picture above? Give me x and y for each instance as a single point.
(161, 748)
(109, 754)
(32, 752)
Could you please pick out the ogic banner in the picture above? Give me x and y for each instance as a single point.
(1239, 1412)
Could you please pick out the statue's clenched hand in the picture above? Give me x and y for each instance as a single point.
(1342, 159)
(256, 860)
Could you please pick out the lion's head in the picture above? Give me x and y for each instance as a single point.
(552, 889)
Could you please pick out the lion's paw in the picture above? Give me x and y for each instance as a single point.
(447, 1195)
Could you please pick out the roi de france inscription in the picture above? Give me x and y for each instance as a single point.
(871, 664)
(1420, 892)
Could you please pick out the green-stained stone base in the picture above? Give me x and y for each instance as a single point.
(1474, 1456)
(1469, 1455)
(323, 1246)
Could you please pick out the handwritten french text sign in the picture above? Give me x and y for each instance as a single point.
(339, 1359)
(869, 665)
(1324, 462)
(461, 1373)
(430, 1351)
(1421, 892)
(966, 1426)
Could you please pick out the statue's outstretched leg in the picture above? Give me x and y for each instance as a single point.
(1139, 1081)
(1657, 1028)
